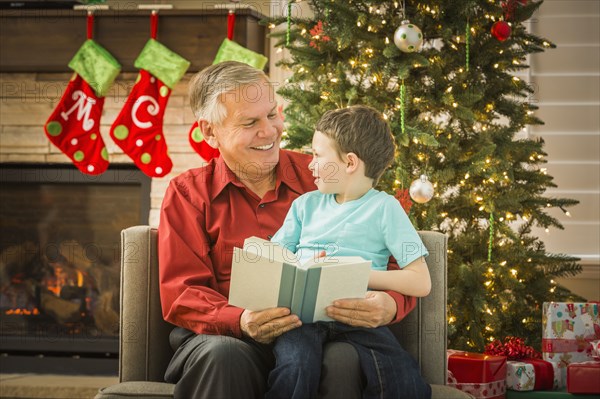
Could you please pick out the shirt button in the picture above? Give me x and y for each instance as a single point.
(262, 205)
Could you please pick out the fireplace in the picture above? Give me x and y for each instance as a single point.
(60, 265)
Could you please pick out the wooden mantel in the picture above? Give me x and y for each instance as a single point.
(46, 40)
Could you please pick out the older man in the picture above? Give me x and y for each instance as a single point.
(222, 351)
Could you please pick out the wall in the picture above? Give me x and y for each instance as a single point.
(567, 83)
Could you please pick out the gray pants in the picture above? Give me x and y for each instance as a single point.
(221, 367)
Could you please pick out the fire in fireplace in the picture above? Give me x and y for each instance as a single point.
(60, 264)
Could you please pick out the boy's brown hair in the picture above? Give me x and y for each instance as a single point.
(363, 131)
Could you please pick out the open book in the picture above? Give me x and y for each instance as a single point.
(266, 275)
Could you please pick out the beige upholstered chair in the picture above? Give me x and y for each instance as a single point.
(144, 343)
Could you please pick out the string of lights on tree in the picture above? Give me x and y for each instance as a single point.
(446, 76)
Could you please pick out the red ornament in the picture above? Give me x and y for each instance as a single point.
(501, 30)
(317, 35)
(403, 196)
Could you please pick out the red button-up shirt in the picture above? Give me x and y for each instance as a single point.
(205, 213)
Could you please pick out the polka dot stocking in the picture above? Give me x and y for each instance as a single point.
(74, 127)
(200, 145)
(138, 129)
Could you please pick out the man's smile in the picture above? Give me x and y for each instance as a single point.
(264, 147)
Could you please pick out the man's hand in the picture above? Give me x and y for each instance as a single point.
(375, 310)
(266, 325)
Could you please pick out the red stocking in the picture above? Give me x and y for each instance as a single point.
(138, 129)
(200, 145)
(74, 126)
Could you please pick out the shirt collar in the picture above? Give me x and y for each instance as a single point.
(222, 176)
(288, 173)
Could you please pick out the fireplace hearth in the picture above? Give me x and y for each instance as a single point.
(60, 265)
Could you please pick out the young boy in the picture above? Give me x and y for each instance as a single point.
(351, 149)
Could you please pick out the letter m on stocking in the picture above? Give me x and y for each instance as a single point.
(83, 105)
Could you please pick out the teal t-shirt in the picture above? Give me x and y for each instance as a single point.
(373, 226)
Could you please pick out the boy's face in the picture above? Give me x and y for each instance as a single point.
(326, 166)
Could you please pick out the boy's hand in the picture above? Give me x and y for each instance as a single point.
(375, 310)
(266, 325)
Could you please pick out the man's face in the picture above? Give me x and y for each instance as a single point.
(249, 137)
(326, 166)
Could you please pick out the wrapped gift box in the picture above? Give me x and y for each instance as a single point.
(532, 374)
(568, 330)
(483, 376)
(583, 377)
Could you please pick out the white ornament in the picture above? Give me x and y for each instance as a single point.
(421, 190)
(408, 37)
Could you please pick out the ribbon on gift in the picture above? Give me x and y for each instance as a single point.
(596, 349)
(479, 390)
(562, 345)
(544, 374)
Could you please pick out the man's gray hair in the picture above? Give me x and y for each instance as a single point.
(208, 85)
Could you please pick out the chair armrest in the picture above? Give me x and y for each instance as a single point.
(423, 331)
(144, 340)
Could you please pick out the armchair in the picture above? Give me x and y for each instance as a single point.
(144, 335)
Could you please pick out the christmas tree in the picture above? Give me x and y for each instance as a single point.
(447, 82)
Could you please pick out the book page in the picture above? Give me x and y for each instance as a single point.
(254, 281)
(270, 250)
(340, 281)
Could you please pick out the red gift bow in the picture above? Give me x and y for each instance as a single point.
(513, 348)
